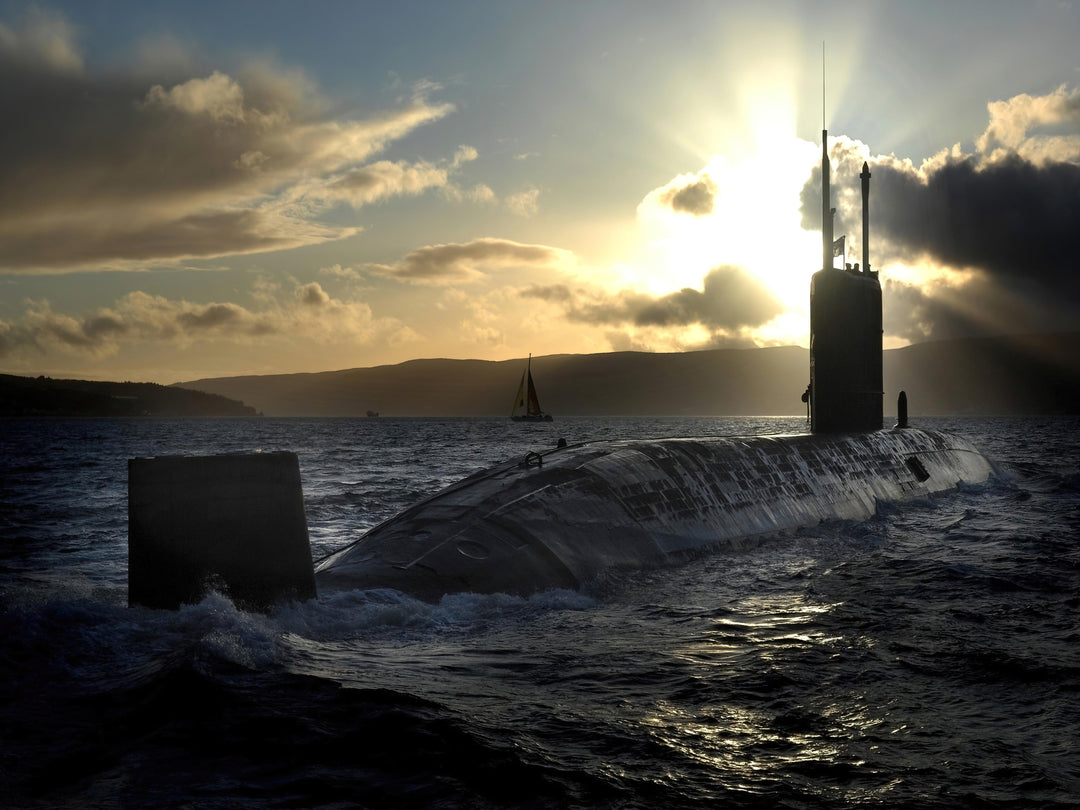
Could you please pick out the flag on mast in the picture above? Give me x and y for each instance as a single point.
(838, 247)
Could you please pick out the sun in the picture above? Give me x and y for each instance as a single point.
(751, 220)
(739, 202)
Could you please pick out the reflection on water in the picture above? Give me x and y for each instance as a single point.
(924, 658)
(751, 735)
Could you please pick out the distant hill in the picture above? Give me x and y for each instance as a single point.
(725, 381)
(1018, 374)
(1004, 375)
(43, 396)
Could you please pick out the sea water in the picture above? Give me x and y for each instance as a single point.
(928, 657)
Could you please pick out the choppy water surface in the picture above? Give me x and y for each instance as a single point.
(925, 658)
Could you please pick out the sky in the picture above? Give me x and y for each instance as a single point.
(206, 189)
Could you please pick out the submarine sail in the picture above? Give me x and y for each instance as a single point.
(846, 388)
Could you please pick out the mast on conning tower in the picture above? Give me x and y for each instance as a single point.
(826, 207)
(865, 177)
(826, 195)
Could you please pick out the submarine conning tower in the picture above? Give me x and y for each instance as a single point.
(846, 390)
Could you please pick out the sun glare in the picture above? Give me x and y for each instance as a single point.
(754, 223)
(744, 124)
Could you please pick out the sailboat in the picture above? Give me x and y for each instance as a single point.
(526, 403)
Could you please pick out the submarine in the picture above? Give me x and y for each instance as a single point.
(559, 519)
(564, 517)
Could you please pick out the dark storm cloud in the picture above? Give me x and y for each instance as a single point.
(1012, 216)
(730, 299)
(694, 198)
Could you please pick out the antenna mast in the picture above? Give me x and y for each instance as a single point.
(826, 197)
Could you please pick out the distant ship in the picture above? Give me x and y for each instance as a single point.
(526, 403)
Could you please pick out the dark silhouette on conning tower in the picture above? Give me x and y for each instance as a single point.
(845, 329)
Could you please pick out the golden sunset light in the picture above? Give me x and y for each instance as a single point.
(358, 186)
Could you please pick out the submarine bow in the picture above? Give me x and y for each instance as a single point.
(561, 519)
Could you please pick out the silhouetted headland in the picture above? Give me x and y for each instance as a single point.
(44, 396)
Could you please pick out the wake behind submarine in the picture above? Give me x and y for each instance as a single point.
(561, 518)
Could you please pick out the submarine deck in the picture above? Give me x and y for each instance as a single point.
(559, 518)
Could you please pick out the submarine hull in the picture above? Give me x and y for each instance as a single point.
(560, 519)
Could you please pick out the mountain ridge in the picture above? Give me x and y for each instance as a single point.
(989, 375)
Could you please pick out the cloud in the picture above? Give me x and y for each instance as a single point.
(730, 300)
(1011, 218)
(214, 233)
(119, 167)
(218, 97)
(695, 197)
(464, 154)
(524, 204)
(1012, 120)
(43, 39)
(386, 179)
(312, 295)
(1008, 210)
(443, 264)
(351, 273)
(479, 193)
(1008, 216)
(139, 318)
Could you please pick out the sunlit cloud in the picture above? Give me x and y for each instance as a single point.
(1012, 122)
(742, 215)
(524, 203)
(218, 97)
(115, 170)
(444, 264)
(729, 299)
(695, 197)
(140, 318)
(386, 179)
(479, 193)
